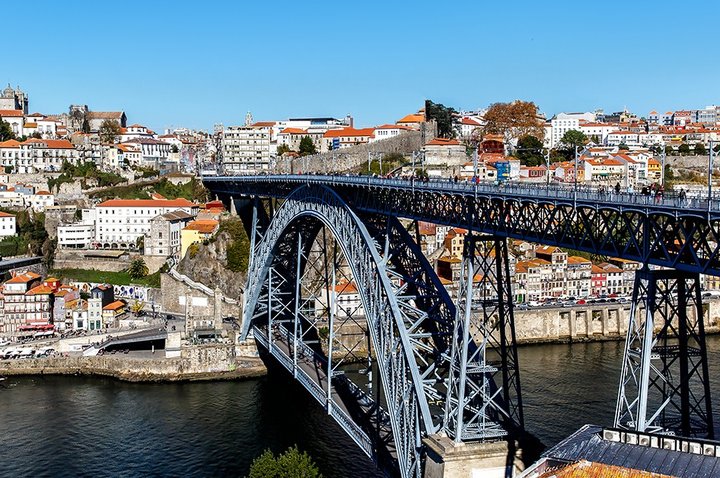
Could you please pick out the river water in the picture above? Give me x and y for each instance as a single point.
(76, 426)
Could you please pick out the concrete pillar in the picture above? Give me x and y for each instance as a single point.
(447, 459)
(217, 309)
(233, 210)
(604, 318)
(571, 325)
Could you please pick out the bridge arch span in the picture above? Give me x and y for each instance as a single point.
(303, 214)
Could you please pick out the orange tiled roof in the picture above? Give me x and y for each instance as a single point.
(41, 289)
(13, 113)
(11, 143)
(338, 133)
(205, 226)
(114, 305)
(51, 143)
(444, 142)
(412, 118)
(293, 131)
(23, 278)
(6, 214)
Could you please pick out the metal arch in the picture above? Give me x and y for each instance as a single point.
(402, 384)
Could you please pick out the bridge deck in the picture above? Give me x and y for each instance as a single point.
(311, 371)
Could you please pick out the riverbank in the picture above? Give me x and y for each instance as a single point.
(134, 370)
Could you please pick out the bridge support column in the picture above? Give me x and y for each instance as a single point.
(447, 459)
(664, 383)
(483, 348)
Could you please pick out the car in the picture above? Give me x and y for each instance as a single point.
(581, 302)
(522, 307)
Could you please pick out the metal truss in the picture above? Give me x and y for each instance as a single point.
(484, 348)
(428, 311)
(664, 384)
(273, 303)
(672, 236)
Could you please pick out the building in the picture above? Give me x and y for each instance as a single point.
(564, 122)
(62, 314)
(412, 121)
(388, 131)
(119, 223)
(14, 99)
(346, 138)
(197, 231)
(445, 153)
(14, 305)
(113, 313)
(15, 118)
(164, 237)
(246, 149)
(7, 224)
(95, 119)
(153, 152)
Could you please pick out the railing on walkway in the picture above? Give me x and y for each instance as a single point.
(566, 192)
(305, 352)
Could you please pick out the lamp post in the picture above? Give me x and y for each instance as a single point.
(710, 173)
(662, 168)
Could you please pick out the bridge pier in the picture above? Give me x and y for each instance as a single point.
(447, 459)
(664, 386)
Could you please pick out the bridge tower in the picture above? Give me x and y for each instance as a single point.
(664, 385)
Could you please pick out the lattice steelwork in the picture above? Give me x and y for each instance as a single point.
(272, 299)
(664, 384)
(683, 236)
(484, 347)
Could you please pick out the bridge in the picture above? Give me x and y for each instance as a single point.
(339, 294)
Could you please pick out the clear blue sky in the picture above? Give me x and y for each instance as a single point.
(194, 64)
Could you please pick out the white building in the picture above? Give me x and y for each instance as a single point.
(135, 131)
(628, 138)
(388, 131)
(7, 224)
(246, 149)
(594, 130)
(561, 123)
(76, 236)
(153, 151)
(15, 119)
(120, 222)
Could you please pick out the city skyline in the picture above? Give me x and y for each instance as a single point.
(376, 64)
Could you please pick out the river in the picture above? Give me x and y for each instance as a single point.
(78, 426)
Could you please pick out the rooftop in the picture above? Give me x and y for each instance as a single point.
(147, 203)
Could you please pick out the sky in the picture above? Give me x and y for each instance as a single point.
(194, 64)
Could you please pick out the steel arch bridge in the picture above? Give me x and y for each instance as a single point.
(446, 366)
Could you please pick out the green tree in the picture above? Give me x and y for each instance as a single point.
(529, 151)
(174, 149)
(669, 174)
(6, 131)
(282, 149)
(700, 149)
(684, 149)
(138, 269)
(623, 147)
(291, 464)
(443, 116)
(573, 139)
(307, 146)
(109, 130)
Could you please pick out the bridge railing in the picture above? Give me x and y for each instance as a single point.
(567, 192)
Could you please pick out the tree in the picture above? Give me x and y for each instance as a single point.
(307, 146)
(138, 269)
(514, 120)
(137, 306)
(6, 131)
(700, 149)
(282, 149)
(529, 151)
(623, 147)
(291, 464)
(174, 149)
(684, 149)
(573, 139)
(443, 117)
(109, 130)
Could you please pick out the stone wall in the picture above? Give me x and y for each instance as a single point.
(216, 306)
(345, 160)
(205, 362)
(594, 322)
